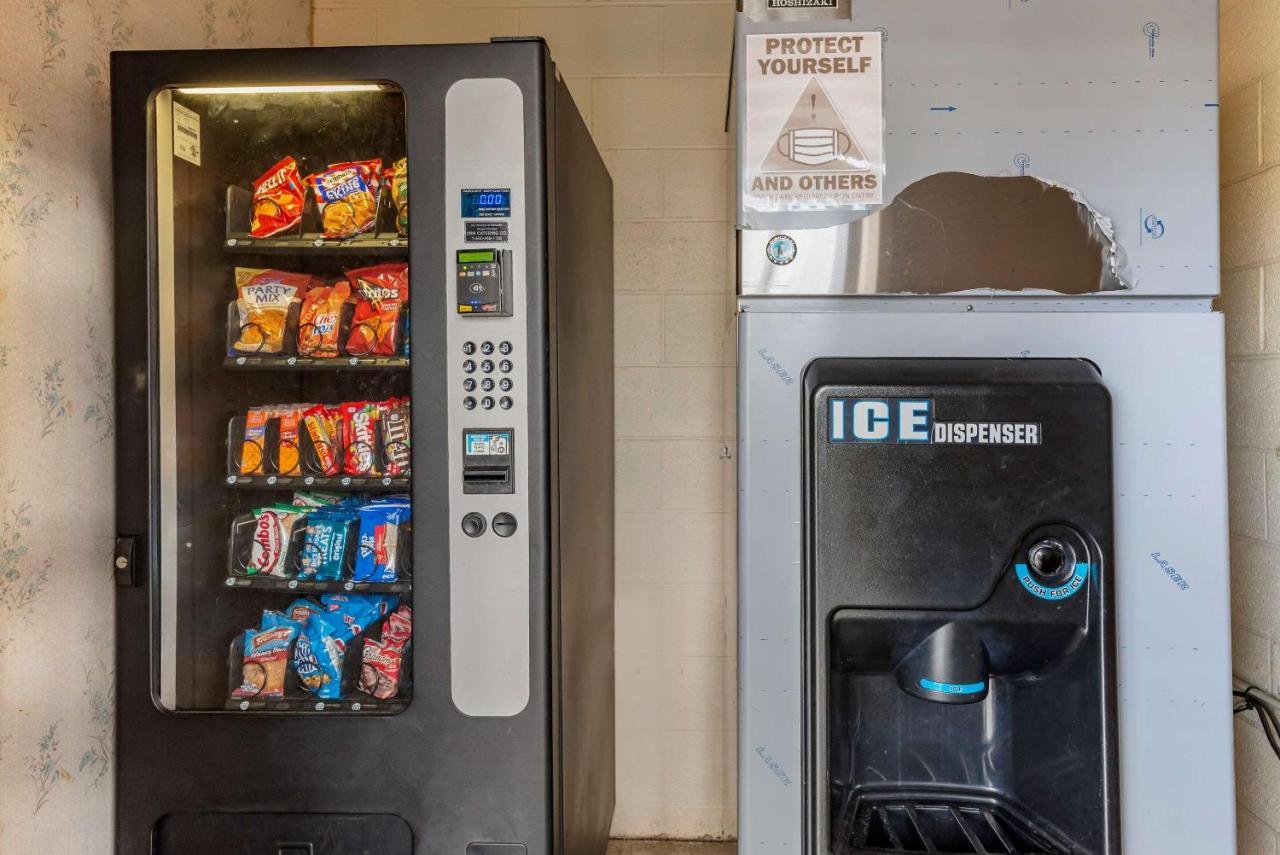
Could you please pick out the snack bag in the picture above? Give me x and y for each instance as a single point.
(255, 438)
(290, 419)
(325, 545)
(380, 669)
(394, 416)
(318, 323)
(315, 498)
(265, 297)
(347, 197)
(272, 533)
(359, 435)
(278, 197)
(380, 292)
(378, 555)
(397, 178)
(301, 610)
(318, 655)
(266, 657)
(381, 660)
(324, 428)
(353, 612)
(399, 625)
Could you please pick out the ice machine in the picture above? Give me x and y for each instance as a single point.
(364, 465)
(983, 586)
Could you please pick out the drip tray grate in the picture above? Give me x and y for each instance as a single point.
(946, 825)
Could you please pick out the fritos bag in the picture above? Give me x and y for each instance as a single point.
(380, 292)
(320, 318)
(347, 197)
(278, 197)
(265, 297)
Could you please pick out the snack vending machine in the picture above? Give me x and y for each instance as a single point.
(983, 584)
(364, 469)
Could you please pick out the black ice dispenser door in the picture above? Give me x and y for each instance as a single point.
(961, 679)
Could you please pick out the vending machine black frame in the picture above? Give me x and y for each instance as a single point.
(541, 781)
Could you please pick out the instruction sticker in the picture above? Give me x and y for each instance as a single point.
(186, 134)
(814, 130)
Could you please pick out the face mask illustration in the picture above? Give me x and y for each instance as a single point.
(813, 146)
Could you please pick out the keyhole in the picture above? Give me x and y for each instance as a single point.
(813, 106)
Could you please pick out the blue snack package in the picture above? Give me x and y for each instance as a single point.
(318, 655)
(355, 612)
(325, 545)
(378, 550)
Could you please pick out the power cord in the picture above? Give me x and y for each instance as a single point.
(1251, 699)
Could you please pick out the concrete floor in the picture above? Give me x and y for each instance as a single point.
(669, 847)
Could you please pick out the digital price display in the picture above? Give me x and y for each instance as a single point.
(488, 202)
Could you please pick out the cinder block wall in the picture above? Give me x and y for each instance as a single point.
(1250, 104)
(652, 81)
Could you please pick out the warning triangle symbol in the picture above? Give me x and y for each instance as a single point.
(814, 138)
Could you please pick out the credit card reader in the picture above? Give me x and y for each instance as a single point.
(484, 282)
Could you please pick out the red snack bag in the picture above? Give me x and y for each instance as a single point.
(380, 292)
(380, 669)
(347, 197)
(325, 430)
(277, 199)
(360, 436)
(399, 626)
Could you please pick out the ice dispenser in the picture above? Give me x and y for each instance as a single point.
(962, 685)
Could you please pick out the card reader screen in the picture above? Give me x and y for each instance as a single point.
(489, 202)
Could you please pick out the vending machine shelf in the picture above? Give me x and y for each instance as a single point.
(337, 482)
(304, 586)
(306, 238)
(307, 363)
(370, 706)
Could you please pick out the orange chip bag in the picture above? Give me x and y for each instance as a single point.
(347, 197)
(321, 314)
(278, 197)
(381, 292)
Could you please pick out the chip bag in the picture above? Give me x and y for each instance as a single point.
(265, 297)
(397, 179)
(318, 655)
(290, 420)
(320, 318)
(381, 292)
(378, 552)
(347, 197)
(278, 198)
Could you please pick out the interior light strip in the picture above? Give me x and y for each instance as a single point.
(280, 90)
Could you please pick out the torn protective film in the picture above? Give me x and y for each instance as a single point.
(949, 233)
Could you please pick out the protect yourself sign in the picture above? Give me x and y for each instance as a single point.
(814, 129)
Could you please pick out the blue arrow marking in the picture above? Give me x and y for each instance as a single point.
(943, 109)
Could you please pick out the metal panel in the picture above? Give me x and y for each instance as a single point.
(1076, 94)
(1165, 372)
(488, 575)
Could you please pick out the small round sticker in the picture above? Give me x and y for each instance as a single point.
(781, 249)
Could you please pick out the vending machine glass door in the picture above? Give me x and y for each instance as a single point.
(279, 439)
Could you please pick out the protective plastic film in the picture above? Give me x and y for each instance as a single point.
(812, 122)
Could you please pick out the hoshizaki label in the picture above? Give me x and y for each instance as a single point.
(801, 4)
(813, 133)
(911, 421)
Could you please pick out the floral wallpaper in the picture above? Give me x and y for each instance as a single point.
(57, 417)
